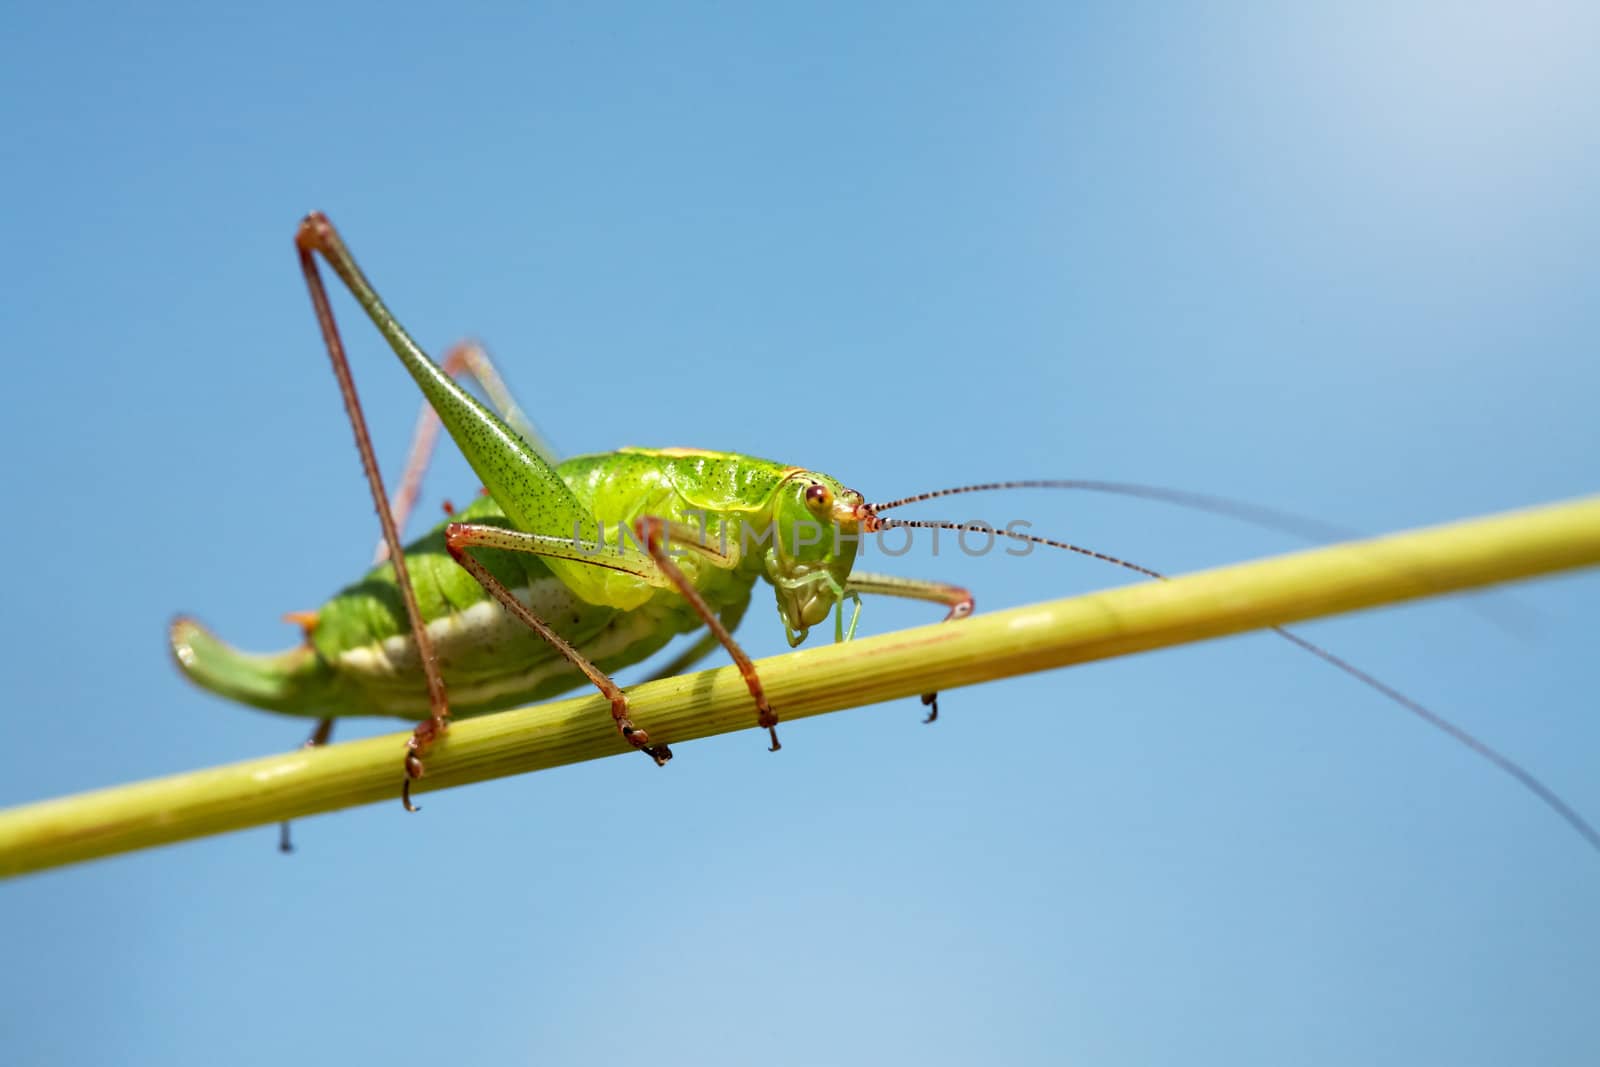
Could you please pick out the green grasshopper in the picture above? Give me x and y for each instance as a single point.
(523, 595)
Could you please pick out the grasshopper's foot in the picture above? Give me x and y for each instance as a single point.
(422, 739)
(769, 721)
(638, 738)
(931, 702)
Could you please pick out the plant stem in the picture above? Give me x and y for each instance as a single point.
(1136, 618)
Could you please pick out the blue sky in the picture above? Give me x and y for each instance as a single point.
(1338, 260)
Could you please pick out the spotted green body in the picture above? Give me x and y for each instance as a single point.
(437, 634)
(360, 658)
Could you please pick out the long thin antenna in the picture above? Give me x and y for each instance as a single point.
(1269, 518)
(1316, 531)
(918, 524)
(1549, 796)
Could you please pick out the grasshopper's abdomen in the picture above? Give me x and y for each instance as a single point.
(489, 659)
(361, 659)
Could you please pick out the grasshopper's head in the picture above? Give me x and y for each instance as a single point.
(816, 529)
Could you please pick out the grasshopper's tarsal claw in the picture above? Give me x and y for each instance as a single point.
(414, 770)
(422, 739)
(769, 720)
(639, 739)
(931, 702)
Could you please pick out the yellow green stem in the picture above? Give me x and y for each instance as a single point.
(1116, 622)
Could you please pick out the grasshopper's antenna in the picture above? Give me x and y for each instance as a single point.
(875, 524)
(1551, 799)
(1268, 518)
(1286, 522)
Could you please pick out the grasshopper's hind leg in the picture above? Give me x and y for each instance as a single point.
(954, 597)
(526, 486)
(465, 359)
(309, 241)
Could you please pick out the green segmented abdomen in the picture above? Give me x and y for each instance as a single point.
(490, 659)
(360, 658)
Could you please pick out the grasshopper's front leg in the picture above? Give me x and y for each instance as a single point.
(954, 597)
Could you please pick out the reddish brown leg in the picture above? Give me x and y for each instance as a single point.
(424, 439)
(316, 236)
(702, 647)
(652, 534)
(458, 537)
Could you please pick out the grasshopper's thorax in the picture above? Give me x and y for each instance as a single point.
(816, 524)
(799, 529)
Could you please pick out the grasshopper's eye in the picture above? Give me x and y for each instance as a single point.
(819, 498)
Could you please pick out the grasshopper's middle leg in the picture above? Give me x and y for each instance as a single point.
(460, 537)
(653, 533)
(656, 567)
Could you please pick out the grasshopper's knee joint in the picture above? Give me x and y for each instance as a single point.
(313, 230)
(457, 538)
